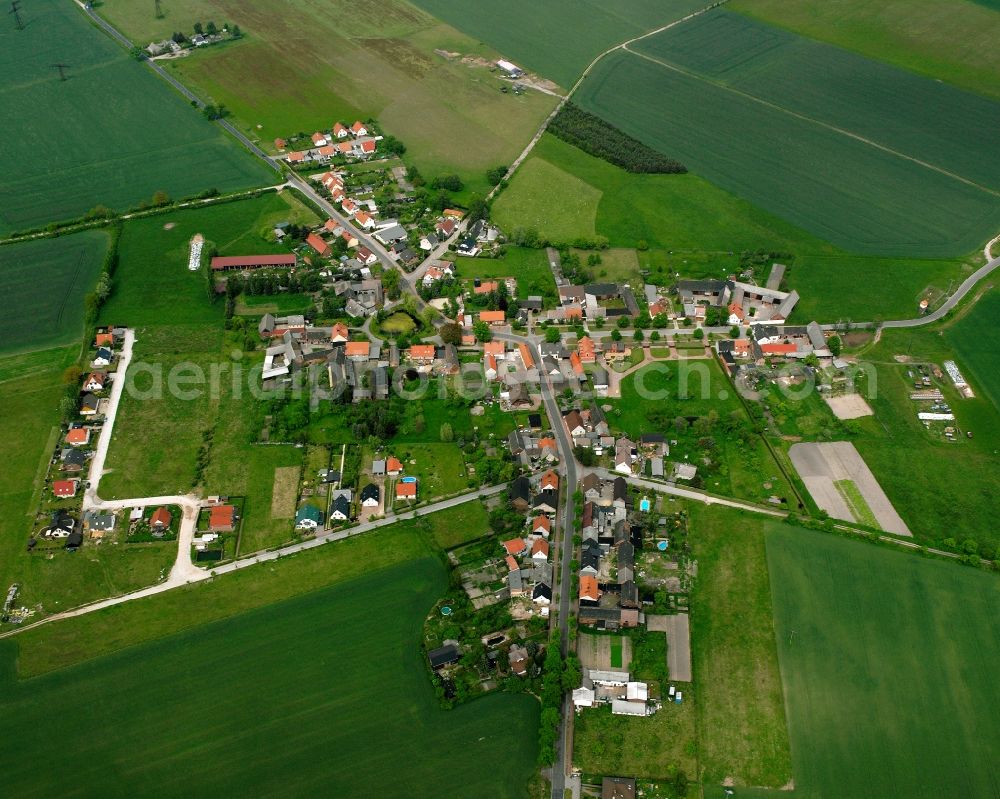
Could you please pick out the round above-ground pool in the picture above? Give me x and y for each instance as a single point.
(446, 610)
(662, 546)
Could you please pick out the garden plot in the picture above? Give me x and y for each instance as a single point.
(842, 484)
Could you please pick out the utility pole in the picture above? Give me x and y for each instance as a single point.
(15, 9)
(62, 70)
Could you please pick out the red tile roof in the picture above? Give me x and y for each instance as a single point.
(588, 587)
(279, 144)
(492, 316)
(515, 546)
(339, 330)
(406, 490)
(367, 146)
(452, 213)
(161, 518)
(393, 464)
(550, 480)
(315, 241)
(540, 545)
(222, 517)
(542, 523)
(422, 352)
(64, 488)
(486, 287)
(512, 564)
(575, 362)
(358, 126)
(494, 348)
(525, 351)
(357, 349)
(78, 435)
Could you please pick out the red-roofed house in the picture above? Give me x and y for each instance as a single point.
(588, 588)
(492, 317)
(78, 436)
(350, 239)
(515, 546)
(741, 348)
(365, 220)
(453, 213)
(550, 480)
(495, 348)
(95, 381)
(588, 352)
(340, 131)
(486, 287)
(358, 129)
(393, 466)
(160, 519)
(279, 144)
(492, 373)
(445, 228)
(421, 353)
(332, 225)
(574, 361)
(512, 564)
(315, 241)
(222, 518)
(327, 151)
(406, 490)
(318, 139)
(357, 350)
(339, 333)
(541, 526)
(64, 488)
(104, 339)
(296, 157)
(658, 307)
(368, 147)
(349, 206)
(540, 549)
(526, 359)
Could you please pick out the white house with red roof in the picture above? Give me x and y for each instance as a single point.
(359, 129)
(319, 140)
(340, 131)
(366, 256)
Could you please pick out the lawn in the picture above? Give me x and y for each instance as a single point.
(344, 65)
(47, 280)
(440, 469)
(154, 141)
(585, 28)
(906, 644)
(459, 525)
(691, 389)
(346, 725)
(953, 493)
(273, 303)
(951, 40)
(741, 715)
(617, 265)
(672, 212)
(529, 267)
(856, 163)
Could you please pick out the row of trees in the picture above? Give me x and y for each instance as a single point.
(595, 136)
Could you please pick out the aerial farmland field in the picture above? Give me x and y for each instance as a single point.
(325, 692)
(951, 40)
(874, 197)
(382, 64)
(976, 339)
(888, 665)
(63, 154)
(48, 279)
(563, 35)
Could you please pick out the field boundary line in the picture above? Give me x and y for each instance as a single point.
(805, 118)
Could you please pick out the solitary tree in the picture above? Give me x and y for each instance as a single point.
(835, 344)
(482, 331)
(197, 28)
(553, 335)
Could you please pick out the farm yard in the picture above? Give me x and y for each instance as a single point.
(912, 202)
(905, 644)
(153, 142)
(48, 279)
(950, 41)
(451, 115)
(348, 730)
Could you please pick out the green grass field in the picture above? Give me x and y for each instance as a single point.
(882, 204)
(672, 212)
(976, 339)
(956, 481)
(44, 283)
(862, 513)
(63, 157)
(459, 525)
(741, 716)
(337, 690)
(586, 28)
(952, 40)
(830, 286)
(887, 663)
(344, 65)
